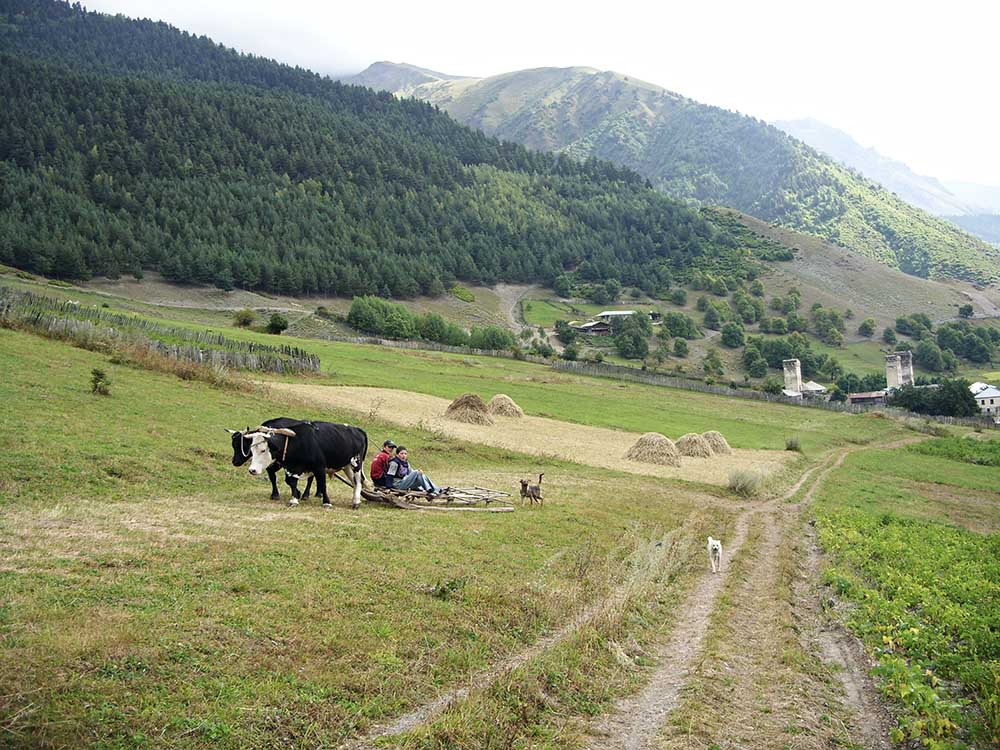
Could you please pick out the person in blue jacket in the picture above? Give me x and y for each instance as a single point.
(400, 475)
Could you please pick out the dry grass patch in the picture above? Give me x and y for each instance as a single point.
(538, 436)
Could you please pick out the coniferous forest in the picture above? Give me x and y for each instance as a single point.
(129, 145)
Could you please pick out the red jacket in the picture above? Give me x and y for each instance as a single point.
(379, 466)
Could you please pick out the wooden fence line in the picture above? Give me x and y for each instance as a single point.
(206, 347)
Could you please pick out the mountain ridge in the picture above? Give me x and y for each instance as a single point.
(924, 192)
(708, 155)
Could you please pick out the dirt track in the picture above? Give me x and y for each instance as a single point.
(592, 446)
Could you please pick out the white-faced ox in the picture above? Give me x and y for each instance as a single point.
(317, 448)
(241, 454)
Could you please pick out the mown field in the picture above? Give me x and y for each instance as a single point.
(913, 539)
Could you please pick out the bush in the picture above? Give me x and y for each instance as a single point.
(793, 444)
(244, 318)
(460, 292)
(100, 383)
(277, 323)
(732, 335)
(965, 311)
(680, 348)
(745, 483)
(867, 328)
(570, 353)
(889, 336)
(679, 297)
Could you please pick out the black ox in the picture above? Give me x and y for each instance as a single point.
(316, 448)
(241, 454)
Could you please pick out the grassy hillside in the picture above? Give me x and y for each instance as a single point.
(130, 146)
(698, 152)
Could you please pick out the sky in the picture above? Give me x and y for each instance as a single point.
(914, 80)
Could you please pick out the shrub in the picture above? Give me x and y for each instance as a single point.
(277, 323)
(793, 444)
(460, 292)
(680, 348)
(732, 335)
(679, 297)
(100, 383)
(244, 318)
(745, 483)
(867, 327)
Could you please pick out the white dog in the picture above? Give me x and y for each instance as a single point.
(715, 554)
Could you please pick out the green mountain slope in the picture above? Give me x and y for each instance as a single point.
(697, 152)
(128, 145)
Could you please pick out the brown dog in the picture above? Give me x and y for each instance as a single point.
(532, 492)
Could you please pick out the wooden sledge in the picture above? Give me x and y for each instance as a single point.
(474, 499)
(477, 499)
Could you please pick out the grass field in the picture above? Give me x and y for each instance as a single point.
(152, 590)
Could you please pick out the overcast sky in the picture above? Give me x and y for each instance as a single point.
(917, 81)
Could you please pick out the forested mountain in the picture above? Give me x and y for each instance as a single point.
(697, 152)
(127, 145)
(926, 193)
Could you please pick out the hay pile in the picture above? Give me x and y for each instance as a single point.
(502, 405)
(718, 442)
(469, 408)
(654, 448)
(694, 445)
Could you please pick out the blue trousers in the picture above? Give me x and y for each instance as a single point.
(415, 480)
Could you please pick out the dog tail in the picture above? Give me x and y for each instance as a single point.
(540, 479)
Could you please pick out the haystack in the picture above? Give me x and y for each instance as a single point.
(654, 448)
(502, 405)
(718, 442)
(694, 445)
(469, 408)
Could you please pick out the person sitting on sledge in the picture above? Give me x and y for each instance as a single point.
(381, 463)
(400, 476)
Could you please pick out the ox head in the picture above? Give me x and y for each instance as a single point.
(265, 444)
(241, 446)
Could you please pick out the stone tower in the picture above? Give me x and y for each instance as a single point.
(793, 375)
(899, 369)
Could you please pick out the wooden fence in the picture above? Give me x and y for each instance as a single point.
(77, 324)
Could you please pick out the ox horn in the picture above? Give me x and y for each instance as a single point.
(231, 432)
(274, 431)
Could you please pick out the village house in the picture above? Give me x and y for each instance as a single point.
(609, 316)
(592, 328)
(988, 399)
